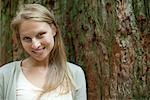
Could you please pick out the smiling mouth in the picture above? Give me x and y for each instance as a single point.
(38, 51)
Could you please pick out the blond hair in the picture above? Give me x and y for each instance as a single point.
(58, 73)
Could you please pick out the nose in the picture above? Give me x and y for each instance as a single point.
(35, 44)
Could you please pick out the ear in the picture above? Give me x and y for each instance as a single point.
(53, 30)
(54, 33)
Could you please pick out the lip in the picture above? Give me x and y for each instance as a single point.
(38, 51)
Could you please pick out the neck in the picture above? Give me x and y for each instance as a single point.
(35, 63)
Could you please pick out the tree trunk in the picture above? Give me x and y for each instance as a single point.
(108, 38)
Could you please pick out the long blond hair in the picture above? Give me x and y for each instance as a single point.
(58, 73)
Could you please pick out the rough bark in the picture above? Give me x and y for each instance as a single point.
(108, 38)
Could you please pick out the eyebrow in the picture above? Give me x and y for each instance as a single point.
(23, 35)
(26, 34)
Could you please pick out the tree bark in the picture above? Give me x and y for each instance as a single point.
(108, 38)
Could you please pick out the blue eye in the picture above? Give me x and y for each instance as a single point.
(40, 35)
(27, 38)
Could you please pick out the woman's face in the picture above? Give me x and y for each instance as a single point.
(37, 39)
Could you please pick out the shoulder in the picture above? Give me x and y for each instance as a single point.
(8, 68)
(76, 71)
(74, 68)
(80, 81)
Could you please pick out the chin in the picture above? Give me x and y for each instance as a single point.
(40, 58)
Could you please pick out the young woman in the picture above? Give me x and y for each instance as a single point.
(45, 74)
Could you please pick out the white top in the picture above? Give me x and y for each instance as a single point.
(27, 91)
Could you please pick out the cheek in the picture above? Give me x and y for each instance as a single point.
(49, 41)
(25, 46)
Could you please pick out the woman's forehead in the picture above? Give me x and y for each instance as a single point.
(33, 27)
